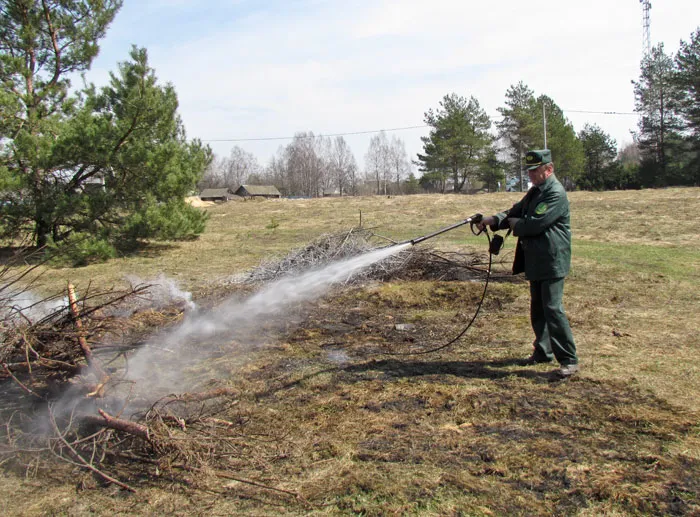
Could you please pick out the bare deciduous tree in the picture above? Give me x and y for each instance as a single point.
(213, 176)
(399, 163)
(343, 168)
(239, 167)
(276, 172)
(305, 168)
(377, 165)
(231, 172)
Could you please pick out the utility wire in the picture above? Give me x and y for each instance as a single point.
(272, 138)
(603, 112)
(315, 136)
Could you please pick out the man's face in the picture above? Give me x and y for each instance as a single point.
(538, 175)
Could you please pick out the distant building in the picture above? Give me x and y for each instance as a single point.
(264, 191)
(331, 192)
(92, 185)
(218, 195)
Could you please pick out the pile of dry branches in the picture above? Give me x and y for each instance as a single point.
(56, 386)
(411, 263)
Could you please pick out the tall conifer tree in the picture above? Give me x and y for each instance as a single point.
(105, 166)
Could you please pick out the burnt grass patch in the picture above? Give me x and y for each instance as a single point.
(466, 429)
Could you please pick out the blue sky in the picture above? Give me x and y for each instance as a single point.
(260, 69)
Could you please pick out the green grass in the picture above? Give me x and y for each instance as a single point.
(677, 263)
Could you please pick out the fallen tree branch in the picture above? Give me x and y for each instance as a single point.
(119, 424)
(45, 362)
(19, 383)
(217, 421)
(83, 461)
(134, 291)
(87, 352)
(224, 475)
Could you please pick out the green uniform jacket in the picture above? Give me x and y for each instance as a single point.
(543, 231)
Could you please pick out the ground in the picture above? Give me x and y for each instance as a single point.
(337, 414)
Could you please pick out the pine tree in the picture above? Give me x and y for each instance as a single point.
(659, 138)
(567, 151)
(601, 170)
(459, 140)
(519, 127)
(100, 168)
(687, 84)
(492, 174)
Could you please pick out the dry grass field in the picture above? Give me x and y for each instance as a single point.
(331, 419)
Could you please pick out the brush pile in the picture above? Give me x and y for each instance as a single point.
(412, 263)
(62, 374)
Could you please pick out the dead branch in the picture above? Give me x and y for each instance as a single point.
(46, 363)
(182, 423)
(83, 461)
(217, 421)
(179, 422)
(133, 292)
(224, 475)
(87, 352)
(119, 424)
(19, 383)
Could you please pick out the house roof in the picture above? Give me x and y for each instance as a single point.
(261, 190)
(215, 192)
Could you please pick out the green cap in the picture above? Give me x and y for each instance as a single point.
(534, 159)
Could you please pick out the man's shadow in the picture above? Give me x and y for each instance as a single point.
(400, 368)
(496, 369)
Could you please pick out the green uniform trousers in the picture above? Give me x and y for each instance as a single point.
(553, 337)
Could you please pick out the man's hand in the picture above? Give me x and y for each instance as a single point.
(512, 221)
(486, 221)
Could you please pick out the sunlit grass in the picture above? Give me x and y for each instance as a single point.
(463, 431)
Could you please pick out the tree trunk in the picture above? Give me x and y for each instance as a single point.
(42, 230)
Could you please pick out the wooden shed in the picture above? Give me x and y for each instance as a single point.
(216, 194)
(264, 191)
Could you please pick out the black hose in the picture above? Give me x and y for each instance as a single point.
(478, 308)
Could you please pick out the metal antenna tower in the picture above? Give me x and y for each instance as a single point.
(646, 37)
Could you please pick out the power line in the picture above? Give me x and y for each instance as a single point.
(603, 112)
(315, 136)
(272, 138)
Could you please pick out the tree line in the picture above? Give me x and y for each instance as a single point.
(667, 96)
(97, 171)
(466, 150)
(315, 165)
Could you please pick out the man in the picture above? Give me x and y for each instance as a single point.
(541, 222)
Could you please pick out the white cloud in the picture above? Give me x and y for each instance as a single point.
(267, 69)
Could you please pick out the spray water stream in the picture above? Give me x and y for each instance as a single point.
(170, 361)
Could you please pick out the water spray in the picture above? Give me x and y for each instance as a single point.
(162, 364)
